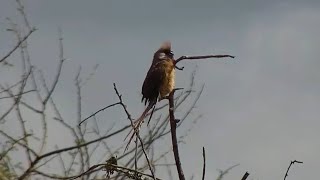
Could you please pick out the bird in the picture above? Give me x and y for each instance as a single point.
(159, 81)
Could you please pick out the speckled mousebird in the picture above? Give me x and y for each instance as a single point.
(159, 81)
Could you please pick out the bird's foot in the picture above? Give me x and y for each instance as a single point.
(179, 68)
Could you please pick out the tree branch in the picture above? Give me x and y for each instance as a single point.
(245, 176)
(204, 163)
(199, 57)
(18, 45)
(291, 163)
(173, 125)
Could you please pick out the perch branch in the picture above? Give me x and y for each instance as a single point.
(135, 131)
(198, 57)
(173, 125)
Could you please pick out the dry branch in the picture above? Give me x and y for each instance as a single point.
(204, 163)
(135, 131)
(291, 163)
(199, 57)
(18, 45)
(173, 125)
(245, 176)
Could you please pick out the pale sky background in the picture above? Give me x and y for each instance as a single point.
(260, 109)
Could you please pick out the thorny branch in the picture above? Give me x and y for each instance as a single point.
(135, 131)
(101, 166)
(198, 57)
(224, 172)
(38, 158)
(18, 44)
(102, 109)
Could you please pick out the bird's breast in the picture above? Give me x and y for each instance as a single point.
(168, 81)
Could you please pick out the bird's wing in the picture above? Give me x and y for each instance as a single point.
(152, 83)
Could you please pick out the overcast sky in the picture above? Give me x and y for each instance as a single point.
(260, 109)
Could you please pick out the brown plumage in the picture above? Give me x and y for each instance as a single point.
(159, 81)
(160, 77)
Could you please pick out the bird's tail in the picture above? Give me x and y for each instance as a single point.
(138, 122)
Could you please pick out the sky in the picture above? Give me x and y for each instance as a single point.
(260, 109)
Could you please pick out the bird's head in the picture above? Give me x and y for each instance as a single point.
(164, 52)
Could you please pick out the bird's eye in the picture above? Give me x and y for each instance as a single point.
(162, 56)
(171, 53)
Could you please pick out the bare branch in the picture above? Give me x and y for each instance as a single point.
(37, 159)
(102, 109)
(173, 125)
(204, 163)
(135, 131)
(245, 176)
(25, 92)
(224, 172)
(291, 163)
(62, 59)
(117, 168)
(18, 45)
(4, 153)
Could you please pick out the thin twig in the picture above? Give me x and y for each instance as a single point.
(245, 176)
(224, 172)
(25, 92)
(62, 59)
(102, 109)
(204, 163)
(111, 165)
(38, 158)
(18, 45)
(202, 57)
(18, 142)
(23, 14)
(135, 154)
(291, 163)
(198, 57)
(135, 131)
(4, 153)
(62, 163)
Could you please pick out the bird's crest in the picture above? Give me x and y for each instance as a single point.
(166, 45)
